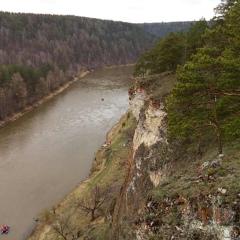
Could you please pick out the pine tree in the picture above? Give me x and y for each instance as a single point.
(207, 99)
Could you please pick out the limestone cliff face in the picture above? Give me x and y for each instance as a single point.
(173, 214)
(151, 130)
(151, 127)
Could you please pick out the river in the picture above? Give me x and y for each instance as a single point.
(47, 152)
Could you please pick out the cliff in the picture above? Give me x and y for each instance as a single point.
(170, 193)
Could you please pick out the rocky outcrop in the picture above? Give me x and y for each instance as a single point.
(151, 121)
(151, 129)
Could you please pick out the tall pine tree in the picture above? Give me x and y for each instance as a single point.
(207, 99)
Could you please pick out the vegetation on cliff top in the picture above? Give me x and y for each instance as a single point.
(206, 60)
(207, 98)
(174, 49)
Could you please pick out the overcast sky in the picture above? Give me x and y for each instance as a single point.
(135, 11)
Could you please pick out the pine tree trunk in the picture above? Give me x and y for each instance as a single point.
(92, 215)
(219, 142)
(218, 130)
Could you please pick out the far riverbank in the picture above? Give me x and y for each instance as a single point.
(17, 115)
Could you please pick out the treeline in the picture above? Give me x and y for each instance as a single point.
(204, 106)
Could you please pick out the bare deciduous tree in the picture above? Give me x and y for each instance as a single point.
(93, 202)
(66, 228)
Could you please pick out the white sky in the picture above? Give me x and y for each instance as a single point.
(135, 11)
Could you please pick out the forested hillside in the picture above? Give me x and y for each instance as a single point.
(40, 53)
(67, 41)
(164, 28)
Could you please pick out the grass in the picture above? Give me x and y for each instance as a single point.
(157, 86)
(185, 179)
(115, 154)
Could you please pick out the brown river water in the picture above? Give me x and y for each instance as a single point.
(47, 152)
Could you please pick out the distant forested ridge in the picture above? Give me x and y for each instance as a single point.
(163, 29)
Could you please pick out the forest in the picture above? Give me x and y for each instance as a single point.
(40, 53)
(204, 105)
(68, 41)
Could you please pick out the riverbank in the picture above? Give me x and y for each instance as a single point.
(107, 170)
(17, 115)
